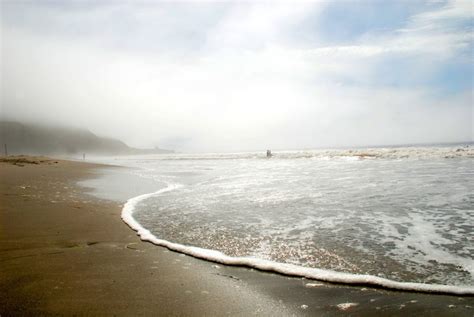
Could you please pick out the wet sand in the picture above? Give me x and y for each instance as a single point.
(63, 251)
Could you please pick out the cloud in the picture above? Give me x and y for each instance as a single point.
(442, 32)
(234, 82)
(452, 10)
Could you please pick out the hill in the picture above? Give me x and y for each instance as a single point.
(53, 140)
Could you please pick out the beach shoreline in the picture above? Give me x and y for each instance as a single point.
(64, 251)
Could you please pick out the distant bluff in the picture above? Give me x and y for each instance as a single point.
(22, 138)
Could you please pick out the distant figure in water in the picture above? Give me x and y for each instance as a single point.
(269, 153)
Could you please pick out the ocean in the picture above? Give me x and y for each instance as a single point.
(400, 218)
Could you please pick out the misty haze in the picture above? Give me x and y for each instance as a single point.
(207, 158)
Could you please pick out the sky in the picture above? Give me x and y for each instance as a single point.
(242, 75)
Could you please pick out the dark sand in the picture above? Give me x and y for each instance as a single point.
(65, 252)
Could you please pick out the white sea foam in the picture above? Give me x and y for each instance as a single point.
(283, 268)
(313, 285)
(410, 152)
(346, 306)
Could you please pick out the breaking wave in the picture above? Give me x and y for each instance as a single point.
(282, 268)
(461, 151)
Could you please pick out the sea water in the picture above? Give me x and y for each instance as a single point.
(397, 217)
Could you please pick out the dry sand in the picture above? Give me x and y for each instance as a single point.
(64, 252)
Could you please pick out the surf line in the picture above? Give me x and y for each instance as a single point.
(281, 268)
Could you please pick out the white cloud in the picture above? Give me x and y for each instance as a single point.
(431, 34)
(454, 9)
(245, 88)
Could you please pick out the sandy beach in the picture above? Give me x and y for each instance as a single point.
(63, 251)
